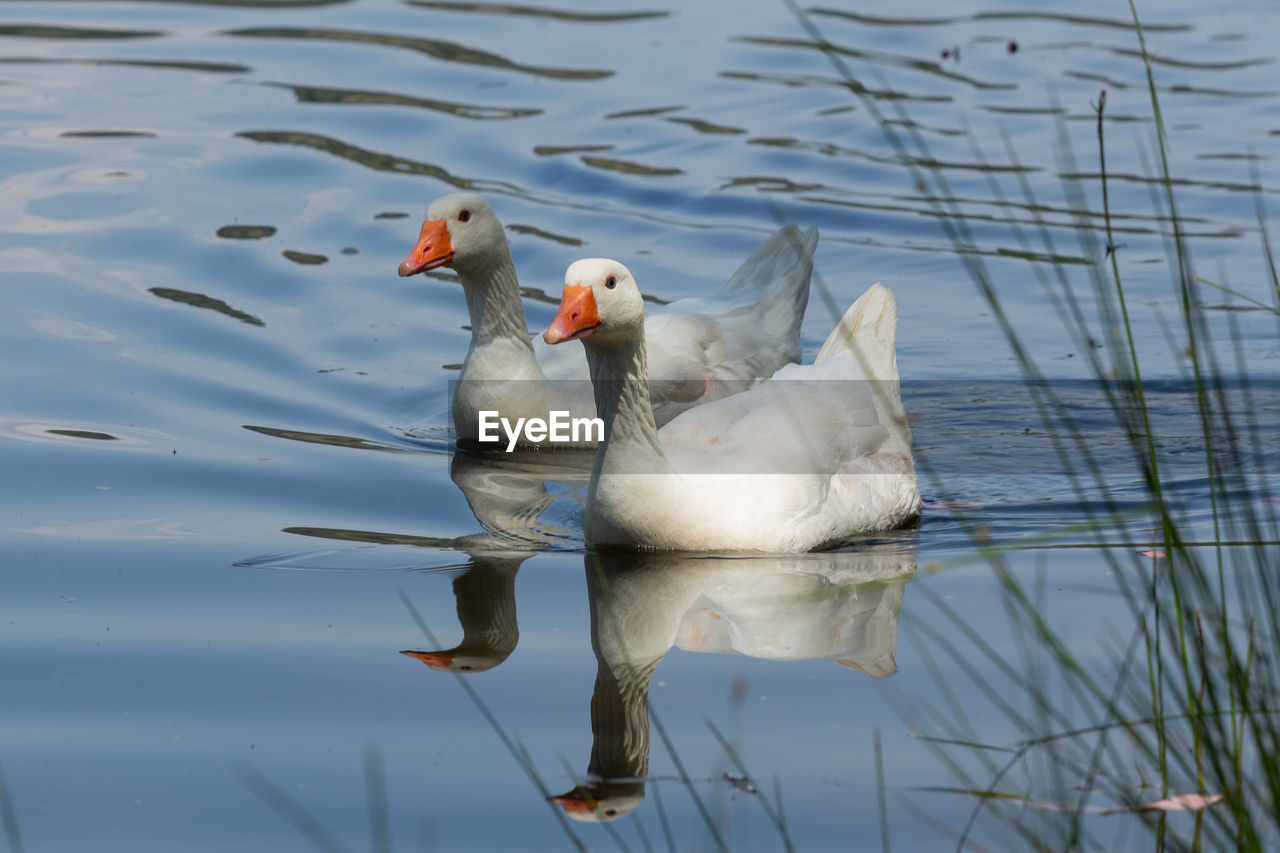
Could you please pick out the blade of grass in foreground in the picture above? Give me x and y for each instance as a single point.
(9, 816)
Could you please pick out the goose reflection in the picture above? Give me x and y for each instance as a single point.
(508, 494)
(842, 606)
(508, 497)
(486, 599)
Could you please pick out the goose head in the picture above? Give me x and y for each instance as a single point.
(455, 661)
(460, 230)
(600, 301)
(601, 801)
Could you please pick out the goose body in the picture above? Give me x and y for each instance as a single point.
(700, 348)
(801, 461)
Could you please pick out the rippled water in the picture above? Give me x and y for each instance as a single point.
(228, 491)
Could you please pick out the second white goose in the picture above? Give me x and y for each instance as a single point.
(700, 348)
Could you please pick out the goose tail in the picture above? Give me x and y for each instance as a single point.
(869, 331)
(776, 278)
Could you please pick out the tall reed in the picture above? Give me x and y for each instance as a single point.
(1186, 706)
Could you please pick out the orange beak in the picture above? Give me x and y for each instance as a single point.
(576, 318)
(433, 249)
(435, 660)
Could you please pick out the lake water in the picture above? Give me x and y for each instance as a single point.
(229, 502)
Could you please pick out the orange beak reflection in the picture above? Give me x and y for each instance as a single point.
(576, 318)
(435, 660)
(577, 801)
(433, 249)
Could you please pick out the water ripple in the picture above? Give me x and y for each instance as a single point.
(629, 167)
(40, 31)
(325, 95)
(199, 300)
(244, 4)
(539, 12)
(165, 64)
(443, 50)
(878, 58)
(374, 159)
(1056, 17)
(800, 81)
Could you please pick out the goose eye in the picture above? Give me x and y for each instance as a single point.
(464, 215)
(611, 282)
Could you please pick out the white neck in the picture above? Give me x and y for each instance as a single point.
(486, 601)
(493, 304)
(620, 722)
(620, 379)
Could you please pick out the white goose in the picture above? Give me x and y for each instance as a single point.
(801, 461)
(700, 348)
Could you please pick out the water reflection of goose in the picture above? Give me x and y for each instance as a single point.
(700, 348)
(508, 496)
(842, 606)
(486, 600)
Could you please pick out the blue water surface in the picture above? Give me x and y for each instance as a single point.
(229, 494)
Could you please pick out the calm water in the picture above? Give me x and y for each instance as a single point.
(229, 501)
